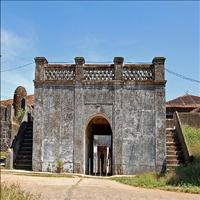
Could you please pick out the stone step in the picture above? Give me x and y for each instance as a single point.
(20, 156)
(28, 140)
(169, 123)
(24, 157)
(25, 152)
(172, 136)
(28, 136)
(174, 161)
(23, 166)
(26, 148)
(24, 161)
(172, 166)
(172, 143)
(175, 140)
(174, 153)
(29, 130)
(174, 148)
(28, 133)
(28, 143)
(175, 157)
(30, 127)
(170, 129)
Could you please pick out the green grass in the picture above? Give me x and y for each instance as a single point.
(14, 192)
(192, 136)
(182, 179)
(2, 154)
(148, 180)
(164, 182)
(189, 175)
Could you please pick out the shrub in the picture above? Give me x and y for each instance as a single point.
(59, 163)
(192, 136)
(2, 154)
(190, 174)
(14, 192)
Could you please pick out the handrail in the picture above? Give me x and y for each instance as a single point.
(186, 152)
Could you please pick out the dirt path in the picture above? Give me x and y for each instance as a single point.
(58, 188)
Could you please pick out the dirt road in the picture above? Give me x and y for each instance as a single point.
(57, 188)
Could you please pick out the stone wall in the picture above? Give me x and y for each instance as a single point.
(130, 97)
(53, 132)
(5, 128)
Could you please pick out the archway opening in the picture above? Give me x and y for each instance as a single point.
(98, 147)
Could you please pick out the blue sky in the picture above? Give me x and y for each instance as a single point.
(100, 30)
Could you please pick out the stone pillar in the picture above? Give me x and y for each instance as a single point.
(159, 71)
(117, 129)
(78, 111)
(40, 62)
(9, 159)
(118, 62)
(160, 129)
(117, 167)
(160, 114)
(38, 122)
(79, 61)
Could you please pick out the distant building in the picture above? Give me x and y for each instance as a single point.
(186, 103)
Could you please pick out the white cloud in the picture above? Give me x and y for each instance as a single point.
(16, 51)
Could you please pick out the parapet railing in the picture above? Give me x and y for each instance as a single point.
(98, 73)
(152, 72)
(59, 72)
(138, 73)
(186, 152)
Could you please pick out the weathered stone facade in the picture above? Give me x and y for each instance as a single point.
(5, 127)
(131, 97)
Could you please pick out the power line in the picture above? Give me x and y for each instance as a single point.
(13, 55)
(15, 68)
(182, 76)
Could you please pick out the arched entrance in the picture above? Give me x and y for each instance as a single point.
(98, 147)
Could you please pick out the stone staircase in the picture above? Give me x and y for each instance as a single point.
(174, 150)
(24, 156)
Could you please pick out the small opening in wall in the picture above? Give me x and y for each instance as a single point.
(6, 110)
(23, 104)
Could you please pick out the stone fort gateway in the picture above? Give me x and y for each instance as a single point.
(99, 118)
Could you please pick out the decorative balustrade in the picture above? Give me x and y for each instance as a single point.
(99, 73)
(59, 73)
(138, 74)
(78, 72)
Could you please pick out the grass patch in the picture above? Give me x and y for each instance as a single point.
(2, 154)
(185, 178)
(148, 180)
(14, 192)
(164, 182)
(189, 175)
(192, 136)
